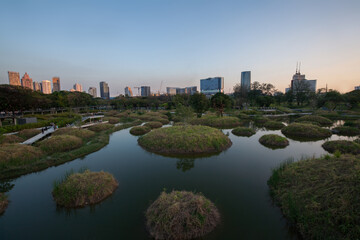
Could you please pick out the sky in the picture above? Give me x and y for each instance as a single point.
(168, 43)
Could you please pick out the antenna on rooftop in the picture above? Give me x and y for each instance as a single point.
(299, 66)
(296, 71)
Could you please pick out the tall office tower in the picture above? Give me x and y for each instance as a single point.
(77, 87)
(128, 92)
(211, 86)
(26, 81)
(92, 92)
(56, 84)
(299, 80)
(191, 90)
(104, 90)
(37, 86)
(145, 91)
(46, 86)
(14, 78)
(246, 81)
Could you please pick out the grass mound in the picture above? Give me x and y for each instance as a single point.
(3, 202)
(17, 154)
(305, 131)
(217, 122)
(274, 141)
(28, 133)
(274, 125)
(139, 130)
(181, 215)
(320, 196)
(112, 120)
(101, 127)
(60, 143)
(343, 146)
(346, 131)
(185, 140)
(78, 132)
(10, 139)
(80, 189)
(355, 123)
(260, 121)
(153, 125)
(243, 131)
(313, 123)
(323, 121)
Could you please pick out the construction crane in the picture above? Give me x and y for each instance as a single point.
(138, 88)
(160, 87)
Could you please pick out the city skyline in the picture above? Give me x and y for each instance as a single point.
(182, 42)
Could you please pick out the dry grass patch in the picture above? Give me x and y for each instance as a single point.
(153, 125)
(10, 139)
(321, 197)
(217, 122)
(60, 143)
(181, 215)
(80, 189)
(112, 120)
(18, 154)
(243, 131)
(274, 141)
(300, 131)
(323, 121)
(185, 140)
(3, 202)
(346, 131)
(273, 125)
(343, 146)
(78, 132)
(100, 127)
(28, 133)
(139, 130)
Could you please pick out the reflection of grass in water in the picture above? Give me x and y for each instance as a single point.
(185, 164)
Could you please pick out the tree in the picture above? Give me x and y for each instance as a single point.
(220, 102)
(184, 113)
(301, 90)
(199, 103)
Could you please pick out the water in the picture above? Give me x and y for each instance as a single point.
(235, 180)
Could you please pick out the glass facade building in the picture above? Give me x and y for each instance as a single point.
(246, 80)
(211, 86)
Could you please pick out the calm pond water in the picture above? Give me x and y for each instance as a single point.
(235, 180)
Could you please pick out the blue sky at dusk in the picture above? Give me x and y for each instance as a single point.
(134, 43)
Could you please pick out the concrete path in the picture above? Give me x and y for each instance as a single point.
(39, 136)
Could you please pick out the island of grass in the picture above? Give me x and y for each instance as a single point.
(181, 215)
(185, 140)
(101, 127)
(139, 130)
(3, 202)
(323, 121)
(78, 132)
(342, 146)
(300, 131)
(346, 131)
(13, 155)
(10, 139)
(217, 122)
(274, 141)
(153, 125)
(320, 196)
(60, 143)
(243, 131)
(80, 189)
(273, 125)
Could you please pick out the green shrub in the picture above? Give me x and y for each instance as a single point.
(101, 127)
(346, 131)
(112, 120)
(343, 146)
(273, 125)
(139, 130)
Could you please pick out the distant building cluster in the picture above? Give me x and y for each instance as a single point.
(128, 92)
(357, 87)
(177, 90)
(299, 82)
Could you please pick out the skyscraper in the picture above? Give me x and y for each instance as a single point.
(145, 91)
(128, 92)
(56, 84)
(92, 92)
(104, 90)
(211, 86)
(14, 78)
(37, 86)
(46, 86)
(27, 82)
(77, 87)
(245, 81)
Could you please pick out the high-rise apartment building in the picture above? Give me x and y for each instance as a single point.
(92, 92)
(46, 86)
(128, 92)
(56, 84)
(211, 86)
(245, 81)
(104, 90)
(77, 87)
(26, 81)
(14, 78)
(171, 90)
(145, 91)
(36, 86)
